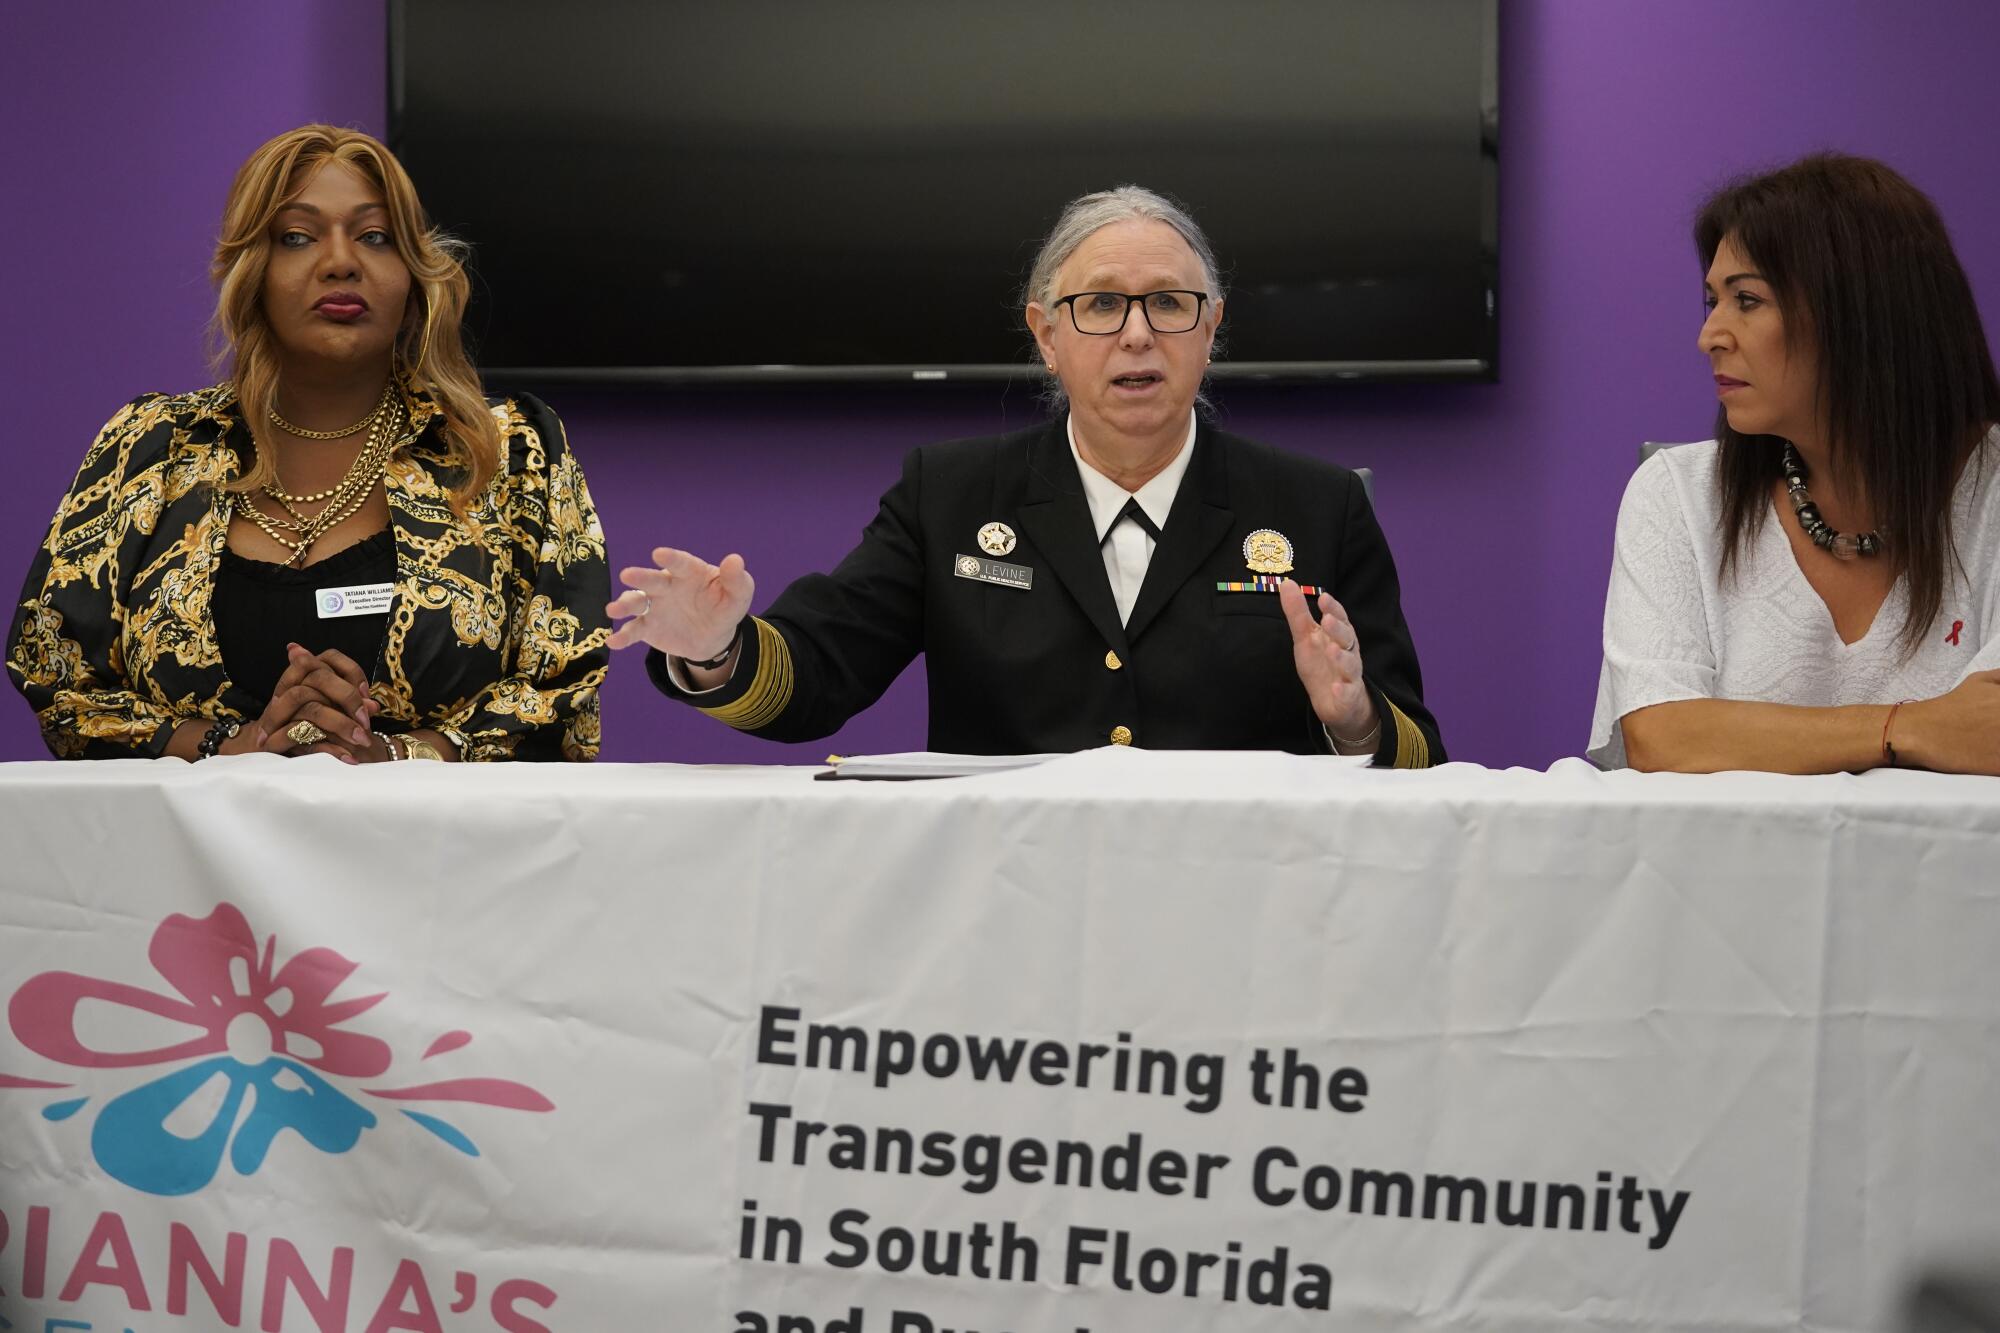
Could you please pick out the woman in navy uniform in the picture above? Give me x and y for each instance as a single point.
(1124, 574)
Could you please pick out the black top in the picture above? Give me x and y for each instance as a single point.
(260, 607)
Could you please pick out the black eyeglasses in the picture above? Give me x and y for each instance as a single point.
(1106, 312)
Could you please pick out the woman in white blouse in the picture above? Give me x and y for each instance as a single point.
(1818, 589)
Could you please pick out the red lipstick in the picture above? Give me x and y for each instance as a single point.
(341, 307)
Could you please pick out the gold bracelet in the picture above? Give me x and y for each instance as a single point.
(418, 748)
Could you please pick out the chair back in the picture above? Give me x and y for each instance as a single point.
(1651, 447)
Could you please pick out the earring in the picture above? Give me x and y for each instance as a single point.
(423, 343)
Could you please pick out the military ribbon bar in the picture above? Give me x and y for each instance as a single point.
(1263, 583)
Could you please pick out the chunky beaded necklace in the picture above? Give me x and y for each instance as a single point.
(342, 501)
(1816, 528)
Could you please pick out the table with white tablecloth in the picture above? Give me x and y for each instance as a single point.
(1123, 1042)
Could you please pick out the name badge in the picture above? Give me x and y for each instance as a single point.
(993, 571)
(362, 599)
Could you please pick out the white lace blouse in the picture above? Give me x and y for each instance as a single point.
(1673, 630)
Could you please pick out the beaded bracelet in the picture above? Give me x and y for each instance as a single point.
(211, 741)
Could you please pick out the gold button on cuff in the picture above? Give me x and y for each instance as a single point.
(1111, 662)
(1121, 735)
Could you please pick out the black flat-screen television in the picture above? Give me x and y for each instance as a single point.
(688, 190)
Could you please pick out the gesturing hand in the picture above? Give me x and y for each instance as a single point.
(686, 607)
(1328, 658)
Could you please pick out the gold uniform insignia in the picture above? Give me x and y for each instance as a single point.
(996, 539)
(1266, 551)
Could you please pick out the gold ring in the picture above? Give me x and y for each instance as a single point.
(303, 732)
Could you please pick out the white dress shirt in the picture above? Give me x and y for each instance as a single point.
(1127, 547)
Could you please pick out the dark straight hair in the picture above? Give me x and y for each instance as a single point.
(1860, 262)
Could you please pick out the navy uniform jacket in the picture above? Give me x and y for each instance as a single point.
(1049, 668)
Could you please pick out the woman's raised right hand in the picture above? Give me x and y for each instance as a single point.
(683, 606)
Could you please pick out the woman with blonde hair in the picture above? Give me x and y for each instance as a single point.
(340, 549)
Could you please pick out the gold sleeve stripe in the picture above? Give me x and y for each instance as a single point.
(770, 693)
(1412, 750)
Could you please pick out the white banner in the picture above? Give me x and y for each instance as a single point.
(1127, 1042)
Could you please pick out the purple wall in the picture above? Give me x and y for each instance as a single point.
(1498, 500)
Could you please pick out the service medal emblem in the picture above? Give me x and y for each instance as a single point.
(996, 539)
(968, 566)
(1266, 551)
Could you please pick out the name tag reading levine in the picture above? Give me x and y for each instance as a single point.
(362, 599)
(993, 571)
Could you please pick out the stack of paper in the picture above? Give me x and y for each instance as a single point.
(927, 764)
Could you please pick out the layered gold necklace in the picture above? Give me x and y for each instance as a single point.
(366, 423)
(295, 530)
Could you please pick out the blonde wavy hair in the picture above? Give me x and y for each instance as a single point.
(430, 345)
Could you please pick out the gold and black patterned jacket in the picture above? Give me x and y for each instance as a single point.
(497, 634)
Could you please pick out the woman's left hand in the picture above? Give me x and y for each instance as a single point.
(1328, 657)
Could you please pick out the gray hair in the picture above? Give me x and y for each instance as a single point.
(1085, 216)
(1088, 214)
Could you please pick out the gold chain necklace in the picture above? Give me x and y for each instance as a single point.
(286, 498)
(344, 500)
(360, 476)
(388, 391)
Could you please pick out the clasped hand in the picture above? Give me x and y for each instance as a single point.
(328, 690)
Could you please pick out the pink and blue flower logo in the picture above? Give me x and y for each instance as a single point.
(270, 1050)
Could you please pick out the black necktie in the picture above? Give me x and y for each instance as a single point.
(1137, 515)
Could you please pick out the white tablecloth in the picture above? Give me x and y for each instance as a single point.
(1566, 1049)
